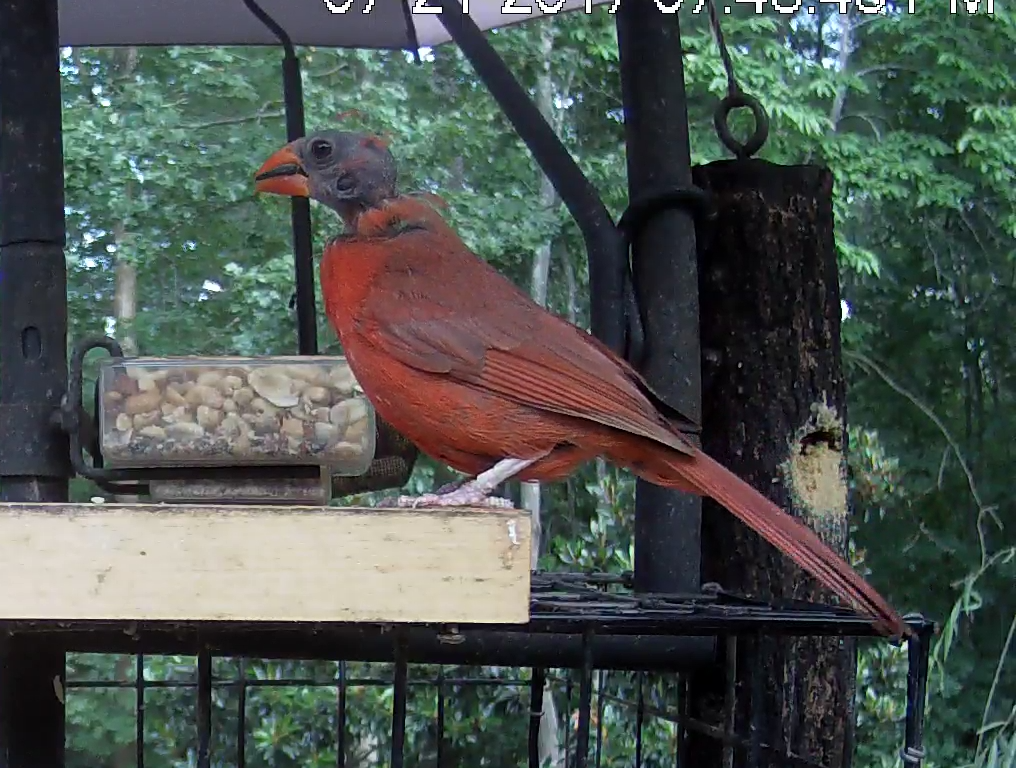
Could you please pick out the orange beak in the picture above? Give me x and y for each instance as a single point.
(282, 174)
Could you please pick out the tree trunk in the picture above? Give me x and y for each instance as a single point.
(125, 293)
(774, 412)
(846, 48)
(125, 290)
(125, 296)
(571, 287)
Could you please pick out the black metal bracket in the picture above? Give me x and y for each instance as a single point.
(643, 208)
(83, 435)
(633, 220)
(407, 17)
(303, 253)
(918, 660)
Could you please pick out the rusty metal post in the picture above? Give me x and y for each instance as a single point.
(34, 458)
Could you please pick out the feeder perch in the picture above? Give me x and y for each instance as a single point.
(194, 562)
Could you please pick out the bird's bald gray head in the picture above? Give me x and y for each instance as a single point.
(347, 171)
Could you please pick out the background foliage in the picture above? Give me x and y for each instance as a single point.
(913, 111)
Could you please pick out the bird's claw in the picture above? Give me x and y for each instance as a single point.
(470, 498)
(458, 493)
(455, 494)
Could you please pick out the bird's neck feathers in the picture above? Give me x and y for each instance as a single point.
(394, 216)
(356, 259)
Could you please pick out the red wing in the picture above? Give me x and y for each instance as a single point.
(439, 308)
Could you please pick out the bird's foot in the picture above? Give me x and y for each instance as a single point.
(464, 496)
(471, 493)
(396, 501)
(474, 493)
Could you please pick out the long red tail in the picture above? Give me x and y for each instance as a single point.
(699, 473)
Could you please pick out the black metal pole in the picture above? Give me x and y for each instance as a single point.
(139, 717)
(303, 254)
(536, 691)
(399, 697)
(585, 703)
(919, 654)
(667, 523)
(34, 455)
(204, 708)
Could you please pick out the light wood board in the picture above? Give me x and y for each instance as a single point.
(259, 563)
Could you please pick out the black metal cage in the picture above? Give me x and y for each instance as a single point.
(580, 627)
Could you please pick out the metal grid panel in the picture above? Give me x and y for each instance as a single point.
(222, 691)
(448, 702)
(648, 720)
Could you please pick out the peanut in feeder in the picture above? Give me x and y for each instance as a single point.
(235, 412)
(243, 457)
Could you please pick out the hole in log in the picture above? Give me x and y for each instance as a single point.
(827, 438)
(816, 477)
(814, 471)
(31, 343)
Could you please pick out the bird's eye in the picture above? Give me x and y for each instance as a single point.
(321, 149)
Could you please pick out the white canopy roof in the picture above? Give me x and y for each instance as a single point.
(325, 23)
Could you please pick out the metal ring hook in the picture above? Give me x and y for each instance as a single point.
(758, 137)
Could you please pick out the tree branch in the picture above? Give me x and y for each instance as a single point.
(888, 67)
(864, 119)
(843, 62)
(235, 120)
(875, 368)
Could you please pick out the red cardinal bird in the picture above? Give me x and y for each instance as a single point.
(467, 366)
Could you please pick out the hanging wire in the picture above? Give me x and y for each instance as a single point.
(735, 99)
(728, 66)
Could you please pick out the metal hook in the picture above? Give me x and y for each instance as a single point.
(758, 137)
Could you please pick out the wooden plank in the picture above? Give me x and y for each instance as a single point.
(261, 563)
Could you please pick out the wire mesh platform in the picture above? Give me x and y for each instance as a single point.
(589, 601)
(580, 623)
